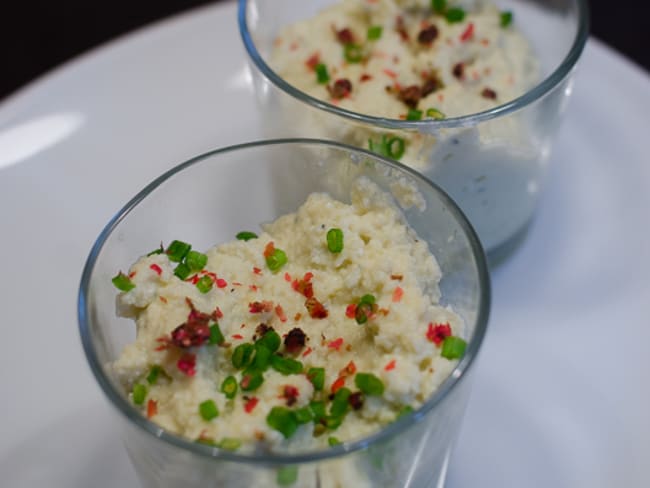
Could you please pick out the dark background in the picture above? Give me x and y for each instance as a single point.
(36, 36)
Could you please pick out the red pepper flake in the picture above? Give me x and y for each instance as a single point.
(365, 77)
(242, 326)
(164, 343)
(194, 279)
(236, 283)
(338, 384)
(390, 72)
(349, 369)
(218, 313)
(397, 277)
(156, 268)
(287, 277)
(291, 393)
(336, 344)
(279, 311)
(257, 270)
(187, 364)
(152, 408)
(238, 336)
(467, 33)
(485, 42)
(390, 366)
(277, 42)
(438, 332)
(315, 308)
(441, 97)
(162, 299)
(307, 352)
(345, 36)
(312, 61)
(489, 93)
(269, 249)
(132, 274)
(297, 317)
(398, 293)
(383, 311)
(293, 46)
(252, 287)
(401, 28)
(341, 88)
(221, 283)
(351, 311)
(259, 307)
(250, 404)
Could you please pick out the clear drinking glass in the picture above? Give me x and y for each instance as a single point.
(208, 200)
(492, 163)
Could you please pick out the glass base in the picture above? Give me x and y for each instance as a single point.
(497, 255)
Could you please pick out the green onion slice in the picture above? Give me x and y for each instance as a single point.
(369, 383)
(251, 380)
(439, 6)
(229, 444)
(374, 32)
(353, 53)
(276, 260)
(333, 441)
(177, 250)
(506, 18)
(229, 387)
(154, 373)
(395, 148)
(139, 393)
(208, 410)
(242, 356)
(339, 406)
(335, 240)
(195, 260)
(303, 415)
(455, 14)
(321, 73)
(317, 377)
(453, 347)
(434, 113)
(271, 340)
(286, 366)
(122, 282)
(204, 284)
(283, 420)
(287, 475)
(182, 271)
(414, 114)
(246, 235)
(216, 336)
(262, 357)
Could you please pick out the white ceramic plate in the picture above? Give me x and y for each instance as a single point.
(562, 395)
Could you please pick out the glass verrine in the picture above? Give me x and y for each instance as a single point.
(239, 187)
(493, 163)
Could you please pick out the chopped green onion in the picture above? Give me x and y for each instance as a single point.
(321, 73)
(317, 377)
(506, 18)
(439, 6)
(435, 114)
(183, 271)
(229, 387)
(251, 380)
(366, 307)
(122, 282)
(333, 441)
(276, 260)
(455, 14)
(204, 284)
(303, 415)
(246, 235)
(154, 372)
(453, 347)
(229, 444)
(283, 420)
(395, 152)
(177, 250)
(374, 32)
(216, 336)
(318, 409)
(335, 240)
(139, 393)
(369, 383)
(195, 260)
(286, 366)
(339, 406)
(414, 114)
(353, 53)
(368, 298)
(242, 356)
(262, 357)
(271, 340)
(405, 410)
(287, 475)
(208, 410)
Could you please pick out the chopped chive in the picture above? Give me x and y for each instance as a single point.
(204, 284)
(369, 383)
(368, 298)
(453, 347)
(506, 18)
(439, 6)
(339, 405)
(216, 336)
(262, 357)
(139, 393)
(414, 114)
(177, 250)
(154, 372)
(283, 420)
(229, 444)
(246, 235)
(405, 410)
(353, 53)
(397, 151)
(455, 14)
(287, 475)
(317, 377)
(321, 73)
(208, 410)
(251, 380)
(335, 240)
(276, 260)
(122, 282)
(286, 366)
(434, 113)
(229, 387)
(183, 271)
(271, 340)
(195, 260)
(374, 32)
(333, 441)
(242, 356)
(303, 415)
(318, 409)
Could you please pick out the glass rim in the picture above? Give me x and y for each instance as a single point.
(529, 97)
(119, 401)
